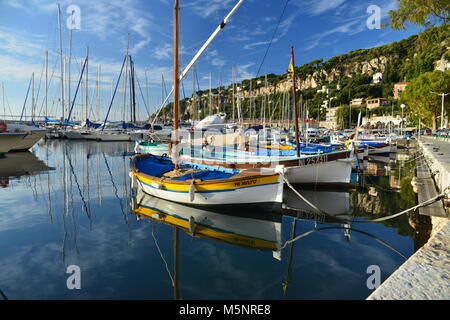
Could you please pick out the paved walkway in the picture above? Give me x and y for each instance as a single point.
(426, 274)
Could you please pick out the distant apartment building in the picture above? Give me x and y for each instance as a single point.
(376, 102)
(399, 87)
(357, 102)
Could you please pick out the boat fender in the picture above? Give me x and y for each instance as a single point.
(136, 147)
(3, 127)
(192, 191)
(132, 180)
(155, 185)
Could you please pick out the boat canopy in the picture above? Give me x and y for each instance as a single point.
(91, 124)
(47, 120)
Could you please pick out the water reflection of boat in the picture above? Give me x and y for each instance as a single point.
(261, 231)
(91, 148)
(331, 204)
(21, 163)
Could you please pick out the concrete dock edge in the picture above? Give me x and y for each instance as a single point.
(426, 274)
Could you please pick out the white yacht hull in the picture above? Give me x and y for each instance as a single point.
(9, 141)
(332, 172)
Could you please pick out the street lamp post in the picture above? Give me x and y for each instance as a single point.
(403, 107)
(442, 109)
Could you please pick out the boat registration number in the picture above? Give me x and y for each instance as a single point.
(245, 183)
(313, 160)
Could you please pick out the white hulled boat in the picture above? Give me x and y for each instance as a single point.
(10, 140)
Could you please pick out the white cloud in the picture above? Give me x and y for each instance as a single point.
(318, 7)
(206, 8)
(242, 71)
(104, 19)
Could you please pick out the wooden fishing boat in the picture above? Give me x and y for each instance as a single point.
(326, 168)
(201, 185)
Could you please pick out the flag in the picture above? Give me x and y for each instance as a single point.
(291, 67)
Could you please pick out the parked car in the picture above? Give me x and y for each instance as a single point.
(442, 132)
(427, 132)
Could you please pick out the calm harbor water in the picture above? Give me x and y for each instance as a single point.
(71, 203)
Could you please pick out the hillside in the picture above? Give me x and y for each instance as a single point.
(347, 76)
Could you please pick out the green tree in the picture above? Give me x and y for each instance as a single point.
(425, 104)
(420, 12)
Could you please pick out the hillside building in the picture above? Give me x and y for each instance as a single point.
(399, 87)
(376, 103)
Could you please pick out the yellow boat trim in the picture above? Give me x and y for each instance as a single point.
(202, 231)
(220, 186)
(279, 147)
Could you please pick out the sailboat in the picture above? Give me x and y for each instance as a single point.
(202, 185)
(33, 135)
(9, 140)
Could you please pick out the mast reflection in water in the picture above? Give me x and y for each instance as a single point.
(129, 245)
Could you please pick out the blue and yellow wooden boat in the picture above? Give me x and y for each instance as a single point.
(202, 185)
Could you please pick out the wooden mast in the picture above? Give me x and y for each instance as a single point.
(297, 143)
(62, 62)
(176, 84)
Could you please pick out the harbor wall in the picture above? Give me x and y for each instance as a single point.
(426, 274)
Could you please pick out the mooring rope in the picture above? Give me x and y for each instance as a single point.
(423, 204)
(302, 197)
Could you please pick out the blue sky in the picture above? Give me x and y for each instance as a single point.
(316, 28)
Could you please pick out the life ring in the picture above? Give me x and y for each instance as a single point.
(3, 127)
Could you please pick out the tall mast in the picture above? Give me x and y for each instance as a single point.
(176, 82)
(251, 101)
(125, 79)
(234, 90)
(194, 95)
(297, 143)
(133, 87)
(87, 84)
(146, 86)
(220, 27)
(62, 61)
(70, 65)
(267, 106)
(32, 97)
(210, 95)
(46, 83)
(219, 104)
(82, 87)
(98, 91)
(162, 94)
